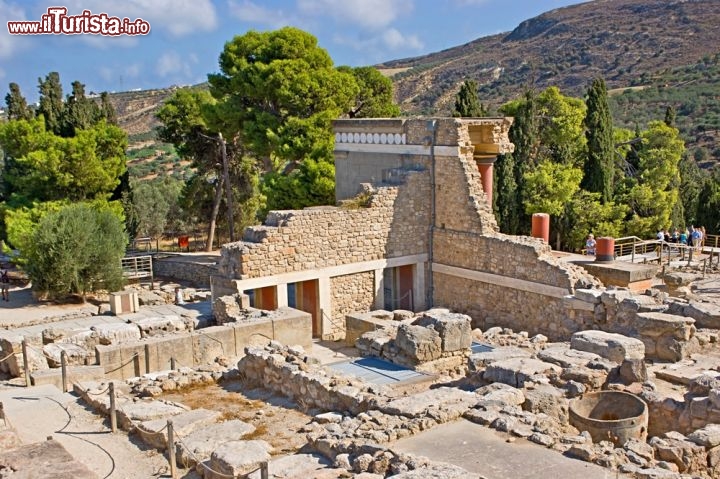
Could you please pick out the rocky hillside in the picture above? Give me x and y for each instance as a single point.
(136, 109)
(624, 41)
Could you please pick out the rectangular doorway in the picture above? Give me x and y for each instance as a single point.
(398, 287)
(304, 295)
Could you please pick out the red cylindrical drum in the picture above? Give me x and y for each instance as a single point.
(541, 226)
(605, 250)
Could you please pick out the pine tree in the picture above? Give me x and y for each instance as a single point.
(51, 102)
(17, 107)
(599, 165)
(467, 104)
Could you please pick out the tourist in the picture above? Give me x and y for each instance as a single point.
(702, 237)
(696, 235)
(684, 237)
(5, 284)
(590, 244)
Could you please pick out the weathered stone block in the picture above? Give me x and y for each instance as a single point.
(237, 458)
(454, 328)
(517, 371)
(419, 343)
(706, 315)
(661, 324)
(202, 442)
(227, 309)
(76, 355)
(614, 347)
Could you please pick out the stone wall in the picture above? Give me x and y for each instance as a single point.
(395, 223)
(184, 270)
(540, 307)
(352, 292)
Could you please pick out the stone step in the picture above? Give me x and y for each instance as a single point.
(200, 444)
(74, 374)
(236, 458)
(154, 432)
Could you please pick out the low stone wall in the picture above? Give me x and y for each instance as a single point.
(203, 346)
(185, 270)
(288, 371)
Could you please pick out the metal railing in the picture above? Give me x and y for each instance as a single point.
(136, 267)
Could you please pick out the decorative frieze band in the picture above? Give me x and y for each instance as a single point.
(371, 138)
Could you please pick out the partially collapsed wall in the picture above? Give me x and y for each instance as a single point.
(421, 202)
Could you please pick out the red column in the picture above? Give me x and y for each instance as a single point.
(486, 177)
(605, 250)
(541, 226)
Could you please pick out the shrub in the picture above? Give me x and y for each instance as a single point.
(77, 250)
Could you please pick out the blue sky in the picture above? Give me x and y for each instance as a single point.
(188, 35)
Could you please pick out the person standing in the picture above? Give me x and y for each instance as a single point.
(590, 245)
(5, 284)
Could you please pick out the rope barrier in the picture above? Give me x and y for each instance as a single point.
(132, 358)
(145, 433)
(100, 393)
(199, 461)
(8, 356)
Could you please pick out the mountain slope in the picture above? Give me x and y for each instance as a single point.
(619, 40)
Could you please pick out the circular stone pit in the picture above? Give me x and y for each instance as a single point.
(614, 416)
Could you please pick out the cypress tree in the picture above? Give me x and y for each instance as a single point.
(467, 104)
(524, 135)
(51, 102)
(505, 197)
(80, 112)
(670, 116)
(17, 107)
(107, 110)
(599, 165)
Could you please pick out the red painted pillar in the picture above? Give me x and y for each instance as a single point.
(541, 226)
(486, 177)
(605, 250)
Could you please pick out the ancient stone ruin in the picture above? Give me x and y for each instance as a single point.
(410, 271)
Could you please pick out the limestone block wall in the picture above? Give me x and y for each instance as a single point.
(352, 292)
(523, 287)
(394, 224)
(197, 273)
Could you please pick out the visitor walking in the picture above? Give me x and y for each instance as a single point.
(590, 245)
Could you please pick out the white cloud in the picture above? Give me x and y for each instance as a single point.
(106, 73)
(178, 17)
(250, 12)
(368, 14)
(10, 44)
(395, 40)
(2, 73)
(171, 64)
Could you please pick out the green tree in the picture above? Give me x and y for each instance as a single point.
(375, 94)
(152, 205)
(708, 208)
(17, 107)
(524, 135)
(191, 121)
(467, 103)
(587, 214)
(279, 91)
(653, 199)
(599, 168)
(670, 116)
(107, 110)
(47, 167)
(549, 189)
(51, 102)
(79, 112)
(505, 195)
(76, 250)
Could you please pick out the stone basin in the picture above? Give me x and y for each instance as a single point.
(614, 416)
